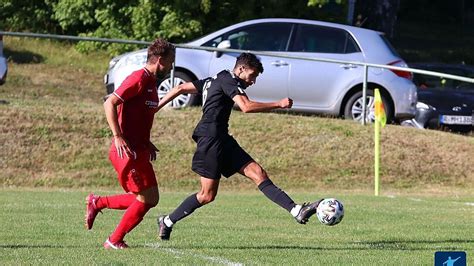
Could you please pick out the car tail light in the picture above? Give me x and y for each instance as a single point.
(401, 73)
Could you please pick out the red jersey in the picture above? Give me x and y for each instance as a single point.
(139, 104)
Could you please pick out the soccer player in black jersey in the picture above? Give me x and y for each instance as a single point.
(217, 152)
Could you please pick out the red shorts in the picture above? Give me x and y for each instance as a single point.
(136, 173)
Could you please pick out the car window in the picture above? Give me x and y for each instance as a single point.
(318, 39)
(259, 37)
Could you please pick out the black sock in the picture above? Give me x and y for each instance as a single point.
(276, 195)
(186, 208)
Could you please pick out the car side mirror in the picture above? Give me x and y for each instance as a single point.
(225, 44)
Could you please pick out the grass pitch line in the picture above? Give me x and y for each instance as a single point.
(196, 255)
(421, 200)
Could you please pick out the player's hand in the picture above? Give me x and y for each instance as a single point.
(122, 147)
(153, 152)
(286, 103)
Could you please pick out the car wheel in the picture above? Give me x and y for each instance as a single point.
(353, 108)
(183, 100)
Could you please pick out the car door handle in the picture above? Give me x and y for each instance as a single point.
(348, 66)
(279, 63)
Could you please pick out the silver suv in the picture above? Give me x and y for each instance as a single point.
(316, 87)
(3, 63)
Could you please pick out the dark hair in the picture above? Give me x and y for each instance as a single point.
(160, 47)
(249, 60)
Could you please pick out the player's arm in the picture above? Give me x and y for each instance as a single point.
(184, 88)
(110, 106)
(248, 106)
(153, 151)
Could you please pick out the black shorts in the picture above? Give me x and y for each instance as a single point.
(216, 156)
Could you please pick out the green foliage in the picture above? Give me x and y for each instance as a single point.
(175, 20)
(21, 15)
(320, 3)
(178, 24)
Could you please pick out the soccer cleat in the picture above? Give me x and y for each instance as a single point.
(164, 231)
(307, 210)
(118, 245)
(91, 210)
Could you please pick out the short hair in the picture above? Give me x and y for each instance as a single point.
(249, 60)
(160, 47)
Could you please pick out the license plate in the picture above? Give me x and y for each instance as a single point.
(455, 120)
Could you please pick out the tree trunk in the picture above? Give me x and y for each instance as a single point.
(380, 15)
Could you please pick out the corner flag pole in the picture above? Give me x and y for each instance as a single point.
(377, 155)
(380, 120)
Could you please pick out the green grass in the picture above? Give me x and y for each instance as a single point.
(46, 227)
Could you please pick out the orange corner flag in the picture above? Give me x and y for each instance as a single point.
(379, 109)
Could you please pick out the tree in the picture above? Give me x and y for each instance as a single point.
(380, 15)
(21, 15)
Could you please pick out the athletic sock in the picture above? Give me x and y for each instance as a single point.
(117, 202)
(168, 221)
(296, 210)
(187, 207)
(276, 195)
(131, 218)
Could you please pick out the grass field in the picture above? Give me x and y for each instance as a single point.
(54, 140)
(46, 227)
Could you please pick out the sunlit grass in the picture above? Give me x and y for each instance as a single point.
(46, 227)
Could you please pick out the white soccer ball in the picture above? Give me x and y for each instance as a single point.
(330, 211)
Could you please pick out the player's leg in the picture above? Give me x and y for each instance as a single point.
(206, 164)
(138, 177)
(145, 200)
(95, 204)
(206, 194)
(258, 175)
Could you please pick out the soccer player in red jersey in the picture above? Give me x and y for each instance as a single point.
(130, 111)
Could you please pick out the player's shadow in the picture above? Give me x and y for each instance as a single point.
(5, 246)
(369, 245)
(23, 57)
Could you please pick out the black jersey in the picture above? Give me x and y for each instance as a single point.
(217, 93)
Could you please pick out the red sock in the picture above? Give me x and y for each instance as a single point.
(131, 218)
(117, 202)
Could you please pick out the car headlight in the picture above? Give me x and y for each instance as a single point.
(421, 105)
(113, 62)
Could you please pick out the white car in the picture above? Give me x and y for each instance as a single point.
(316, 87)
(3, 63)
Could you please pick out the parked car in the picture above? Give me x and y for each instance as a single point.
(444, 103)
(315, 87)
(3, 63)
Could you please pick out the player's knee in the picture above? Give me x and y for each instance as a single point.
(207, 198)
(260, 175)
(150, 197)
(153, 201)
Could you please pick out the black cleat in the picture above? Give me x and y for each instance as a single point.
(164, 231)
(307, 210)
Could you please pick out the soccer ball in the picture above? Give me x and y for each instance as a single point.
(330, 211)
